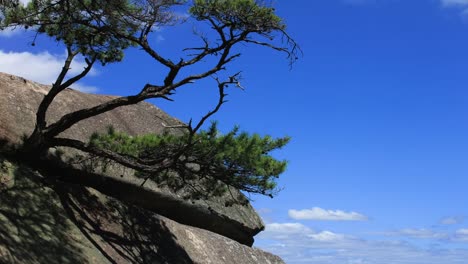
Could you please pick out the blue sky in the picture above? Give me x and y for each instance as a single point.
(378, 112)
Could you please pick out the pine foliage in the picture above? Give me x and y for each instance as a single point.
(207, 163)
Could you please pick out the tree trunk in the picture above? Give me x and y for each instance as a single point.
(35, 147)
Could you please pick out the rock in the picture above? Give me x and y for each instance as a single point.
(19, 99)
(67, 223)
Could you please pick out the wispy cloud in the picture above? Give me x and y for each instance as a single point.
(458, 236)
(85, 88)
(297, 243)
(461, 235)
(328, 236)
(461, 5)
(452, 220)
(419, 233)
(286, 231)
(318, 213)
(41, 67)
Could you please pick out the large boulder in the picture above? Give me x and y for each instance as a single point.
(66, 223)
(19, 99)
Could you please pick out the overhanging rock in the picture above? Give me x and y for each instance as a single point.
(68, 223)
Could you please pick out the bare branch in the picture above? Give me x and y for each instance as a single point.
(71, 81)
(221, 99)
(269, 45)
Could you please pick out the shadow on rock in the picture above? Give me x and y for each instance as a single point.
(123, 233)
(33, 229)
(63, 223)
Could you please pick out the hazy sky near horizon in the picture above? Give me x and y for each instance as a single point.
(377, 109)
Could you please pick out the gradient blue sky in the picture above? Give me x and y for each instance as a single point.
(378, 111)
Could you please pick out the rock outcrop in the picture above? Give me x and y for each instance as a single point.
(19, 99)
(66, 223)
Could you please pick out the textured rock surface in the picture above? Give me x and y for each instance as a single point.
(66, 223)
(19, 99)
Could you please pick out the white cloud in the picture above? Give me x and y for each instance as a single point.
(458, 236)
(317, 213)
(284, 230)
(297, 243)
(41, 67)
(419, 233)
(85, 88)
(287, 228)
(461, 235)
(327, 236)
(10, 32)
(463, 232)
(453, 220)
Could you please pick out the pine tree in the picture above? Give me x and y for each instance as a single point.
(101, 31)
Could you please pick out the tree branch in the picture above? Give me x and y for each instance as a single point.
(70, 119)
(58, 86)
(222, 95)
(125, 160)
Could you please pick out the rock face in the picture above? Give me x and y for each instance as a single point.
(67, 223)
(19, 99)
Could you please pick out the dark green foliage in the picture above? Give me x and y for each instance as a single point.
(207, 162)
(58, 19)
(245, 15)
(105, 28)
(93, 28)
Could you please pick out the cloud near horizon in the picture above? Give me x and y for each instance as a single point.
(421, 233)
(317, 213)
(461, 235)
(443, 2)
(297, 243)
(42, 67)
(285, 231)
(457, 236)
